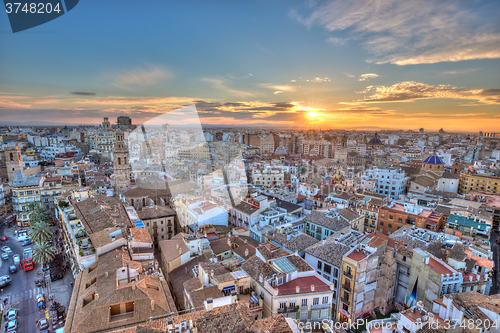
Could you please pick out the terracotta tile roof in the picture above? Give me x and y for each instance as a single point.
(141, 235)
(296, 243)
(180, 275)
(228, 318)
(172, 248)
(270, 251)
(472, 301)
(330, 251)
(199, 296)
(255, 267)
(220, 245)
(101, 212)
(304, 283)
(332, 223)
(101, 238)
(148, 213)
(94, 315)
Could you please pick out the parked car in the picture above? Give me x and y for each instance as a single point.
(12, 269)
(5, 256)
(16, 258)
(11, 326)
(4, 281)
(27, 241)
(11, 315)
(43, 324)
(3, 238)
(6, 249)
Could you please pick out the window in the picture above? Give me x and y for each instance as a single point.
(319, 265)
(282, 305)
(404, 258)
(304, 302)
(383, 215)
(389, 225)
(325, 300)
(335, 272)
(328, 269)
(400, 220)
(291, 304)
(315, 300)
(381, 223)
(390, 217)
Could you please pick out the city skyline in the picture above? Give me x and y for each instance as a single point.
(296, 65)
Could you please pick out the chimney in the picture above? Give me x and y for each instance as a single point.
(297, 290)
(96, 296)
(133, 285)
(470, 278)
(212, 273)
(209, 304)
(233, 296)
(245, 241)
(246, 252)
(106, 274)
(180, 251)
(332, 286)
(152, 305)
(312, 287)
(177, 246)
(478, 276)
(261, 278)
(228, 241)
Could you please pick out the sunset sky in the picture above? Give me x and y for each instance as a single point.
(366, 65)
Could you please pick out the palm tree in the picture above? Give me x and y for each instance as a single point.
(40, 232)
(43, 253)
(38, 213)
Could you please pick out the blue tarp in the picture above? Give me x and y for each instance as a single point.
(139, 224)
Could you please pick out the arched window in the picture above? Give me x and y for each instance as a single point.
(11, 156)
(119, 161)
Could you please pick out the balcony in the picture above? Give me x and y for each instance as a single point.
(346, 301)
(304, 307)
(346, 288)
(321, 306)
(348, 274)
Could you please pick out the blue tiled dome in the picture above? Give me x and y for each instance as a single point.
(433, 160)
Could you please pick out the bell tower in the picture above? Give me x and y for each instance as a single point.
(121, 165)
(13, 161)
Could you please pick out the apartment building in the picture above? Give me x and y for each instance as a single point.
(287, 284)
(393, 217)
(367, 278)
(320, 224)
(326, 257)
(369, 207)
(390, 181)
(115, 291)
(24, 191)
(270, 177)
(483, 183)
(435, 277)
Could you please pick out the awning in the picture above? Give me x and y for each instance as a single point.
(229, 288)
(254, 299)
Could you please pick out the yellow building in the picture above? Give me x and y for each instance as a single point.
(483, 183)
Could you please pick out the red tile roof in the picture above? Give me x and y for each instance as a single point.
(304, 283)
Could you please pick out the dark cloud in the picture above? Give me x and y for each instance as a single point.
(83, 93)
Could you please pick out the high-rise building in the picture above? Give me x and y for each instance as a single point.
(13, 161)
(121, 164)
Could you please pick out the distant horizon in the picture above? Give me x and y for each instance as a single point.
(295, 64)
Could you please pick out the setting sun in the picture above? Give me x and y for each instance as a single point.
(313, 114)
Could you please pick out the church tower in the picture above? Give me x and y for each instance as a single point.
(13, 161)
(121, 164)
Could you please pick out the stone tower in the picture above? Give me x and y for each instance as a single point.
(13, 161)
(121, 164)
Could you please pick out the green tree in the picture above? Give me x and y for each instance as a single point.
(40, 232)
(43, 253)
(38, 213)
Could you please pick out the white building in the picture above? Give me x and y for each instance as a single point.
(390, 182)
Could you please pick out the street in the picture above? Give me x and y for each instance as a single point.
(22, 291)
